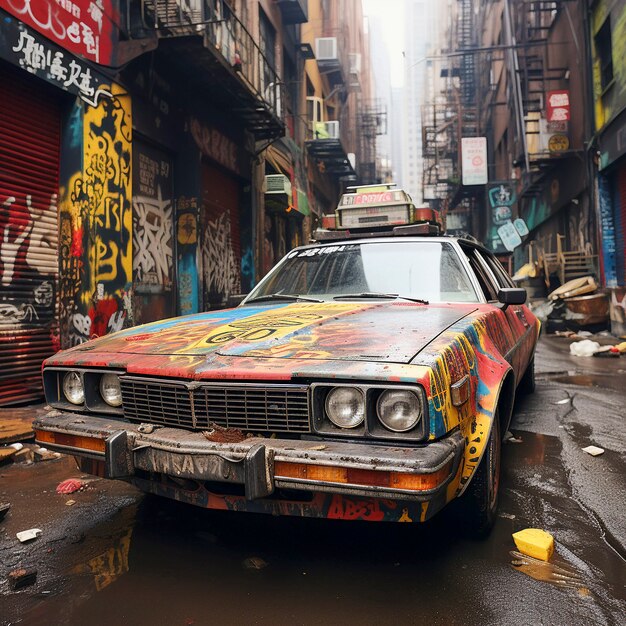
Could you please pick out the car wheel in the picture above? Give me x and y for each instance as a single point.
(479, 503)
(527, 384)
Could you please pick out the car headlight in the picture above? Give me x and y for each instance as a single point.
(345, 407)
(73, 388)
(110, 389)
(399, 410)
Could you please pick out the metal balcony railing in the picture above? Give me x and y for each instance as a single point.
(224, 33)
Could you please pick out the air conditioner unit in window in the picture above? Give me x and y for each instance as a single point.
(355, 62)
(332, 128)
(325, 48)
(276, 184)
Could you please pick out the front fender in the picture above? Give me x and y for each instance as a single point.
(473, 352)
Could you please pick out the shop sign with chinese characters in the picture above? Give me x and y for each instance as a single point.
(558, 106)
(554, 130)
(474, 160)
(33, 53)
(501, 198)
(83, 27)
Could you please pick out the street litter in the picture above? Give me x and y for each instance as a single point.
(535, 542)
(20, 578)
(70, 503)
(43, 454)
(585, 347)
(7, 453)
(28, 535)
(4, 509)
(254, 562)
(511, 438)
(17, 446)
(564, 401)
(593, 450)
(543, 310)
(70, 486)
(506, 515)
(606, 352)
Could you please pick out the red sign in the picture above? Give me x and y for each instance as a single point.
(373, 198)
(558, 106)
(83, 27)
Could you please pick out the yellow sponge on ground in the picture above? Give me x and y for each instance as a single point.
(535, 542)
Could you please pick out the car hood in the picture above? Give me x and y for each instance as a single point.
(389, 332)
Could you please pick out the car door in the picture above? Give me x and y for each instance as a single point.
(526, 339)
(490, 286)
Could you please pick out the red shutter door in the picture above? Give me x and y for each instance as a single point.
(620, 227)
(220, 237)
(30, 135)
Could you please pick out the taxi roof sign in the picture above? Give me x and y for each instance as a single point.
(379, 208)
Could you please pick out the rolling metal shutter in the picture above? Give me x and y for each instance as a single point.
(220, 238)
(620, 226)
(30, 134)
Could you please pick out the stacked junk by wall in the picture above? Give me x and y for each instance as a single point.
(564, 291)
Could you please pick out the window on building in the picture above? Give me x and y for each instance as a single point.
(604, 48)
(267, 43)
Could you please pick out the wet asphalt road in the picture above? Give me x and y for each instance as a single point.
(117, 556)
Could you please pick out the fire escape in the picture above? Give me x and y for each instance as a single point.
(372, 122)
(453, 114)
(327, 138)
(536, 77)
(213, 54)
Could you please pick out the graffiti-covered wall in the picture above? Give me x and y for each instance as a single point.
(96, 223)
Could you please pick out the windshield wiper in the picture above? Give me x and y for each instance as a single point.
(375, 294)
(284, 296)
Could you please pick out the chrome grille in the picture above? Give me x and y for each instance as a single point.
(249, 407)
(156, 402)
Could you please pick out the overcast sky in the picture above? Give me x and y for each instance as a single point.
(390, 15)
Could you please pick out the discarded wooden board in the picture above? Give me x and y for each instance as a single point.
(17, 424)
(6, 453)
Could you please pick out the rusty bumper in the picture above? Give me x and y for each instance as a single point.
(261, 465)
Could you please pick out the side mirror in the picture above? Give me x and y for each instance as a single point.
(512, 295)
(235, 300)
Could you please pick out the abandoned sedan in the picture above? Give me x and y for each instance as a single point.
(366, 378)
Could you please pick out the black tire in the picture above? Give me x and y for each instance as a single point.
(479, 504)
(527, 384)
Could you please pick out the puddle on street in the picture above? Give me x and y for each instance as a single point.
(162, 562)
(607, 381)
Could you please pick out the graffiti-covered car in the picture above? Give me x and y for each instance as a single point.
(370, 375)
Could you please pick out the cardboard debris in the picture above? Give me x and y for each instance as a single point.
(593, 450)
(7, 453)
(576, 287)
(28, 535)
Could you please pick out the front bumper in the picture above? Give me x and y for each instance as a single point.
(261, 465)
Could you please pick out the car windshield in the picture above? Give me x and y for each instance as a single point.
(424, 270)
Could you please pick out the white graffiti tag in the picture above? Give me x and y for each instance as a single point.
(34, 235)
(221, 266)
(116, 321)
(10, 314)
(152, 239)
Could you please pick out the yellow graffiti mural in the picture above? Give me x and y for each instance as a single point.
(96, 222)
(273, 324)
(107, 140)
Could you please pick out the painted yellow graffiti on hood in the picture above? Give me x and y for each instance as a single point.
(274, 323)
